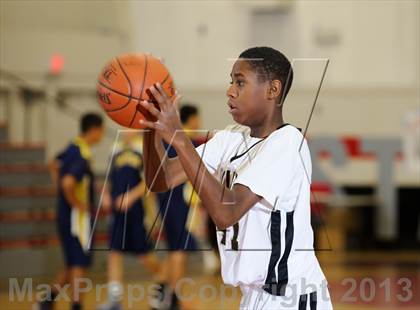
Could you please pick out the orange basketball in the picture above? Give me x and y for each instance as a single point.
(125, 81)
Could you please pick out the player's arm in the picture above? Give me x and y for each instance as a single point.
(53, 169)
(125, 201)
(225, 206)
(106, 198)
(68, 185)
(138, 191)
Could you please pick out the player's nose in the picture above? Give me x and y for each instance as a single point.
(231, 93)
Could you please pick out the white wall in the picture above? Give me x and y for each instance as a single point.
(378, 41)
(196, 38)
(373, 47)
(85, 33)
(376, 45)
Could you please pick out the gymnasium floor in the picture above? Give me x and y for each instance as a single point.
(357, 280)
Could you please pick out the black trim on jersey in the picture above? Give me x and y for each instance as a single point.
(242, 154)
(282, 270)
(303, 299)
(234, 241)
(223, 240)
(273, 285)
(271, 280)
(312, 300)
(262, 139)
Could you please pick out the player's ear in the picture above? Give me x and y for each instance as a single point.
(274, 89)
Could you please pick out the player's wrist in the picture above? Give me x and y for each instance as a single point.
(180, 141)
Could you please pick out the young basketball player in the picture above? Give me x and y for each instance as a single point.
(72, 171)
(254, 180)
(127, 234)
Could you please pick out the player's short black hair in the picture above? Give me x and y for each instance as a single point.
(186, 111)
(89, 121)
(270, 64)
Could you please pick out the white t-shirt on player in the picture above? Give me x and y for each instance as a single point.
(272, 244)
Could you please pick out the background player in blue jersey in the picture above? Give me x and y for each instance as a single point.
(174, 208)
(127, 231)
(72, 173)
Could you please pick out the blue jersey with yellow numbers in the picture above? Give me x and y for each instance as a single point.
(126, 171)
(75, 161)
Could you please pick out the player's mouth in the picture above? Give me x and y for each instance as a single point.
(232, 107)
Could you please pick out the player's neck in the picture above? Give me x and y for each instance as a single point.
(268, 126)
(86, 139)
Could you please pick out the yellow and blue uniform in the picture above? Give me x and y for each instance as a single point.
(174, 207)
(127, 231)
(75, 161)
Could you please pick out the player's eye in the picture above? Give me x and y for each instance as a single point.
(240, 82)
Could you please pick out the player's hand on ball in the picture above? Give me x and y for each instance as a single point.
(167, 119)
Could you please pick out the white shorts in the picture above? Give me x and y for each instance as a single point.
(258, 299)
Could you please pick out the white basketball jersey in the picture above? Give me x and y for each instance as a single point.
(272, 244)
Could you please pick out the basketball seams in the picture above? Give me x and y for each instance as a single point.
(117, 109)
(134, 117)
(126, 76)
(125, 95)
(119, 93)
(142, 88)
(164, 80)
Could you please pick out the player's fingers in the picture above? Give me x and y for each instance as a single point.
(158, 96)
(176, 100)
(162, 91)
(149, 124)
(150, 107)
